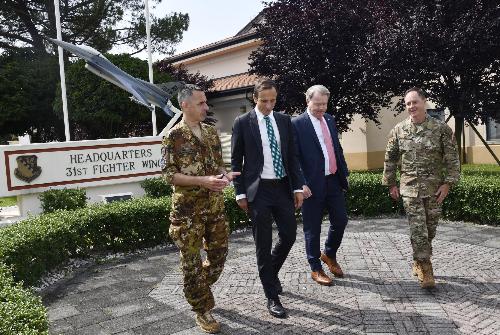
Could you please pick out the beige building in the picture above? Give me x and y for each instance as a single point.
(226, 62)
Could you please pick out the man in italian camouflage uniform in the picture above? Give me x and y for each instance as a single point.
(192, 163)
(429, 167)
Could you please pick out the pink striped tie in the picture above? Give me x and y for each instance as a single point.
(329, 146)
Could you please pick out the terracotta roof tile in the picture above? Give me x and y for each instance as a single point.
(233, 82)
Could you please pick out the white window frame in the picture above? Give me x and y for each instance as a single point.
(491, 123)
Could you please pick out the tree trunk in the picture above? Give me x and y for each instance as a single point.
(459, 128)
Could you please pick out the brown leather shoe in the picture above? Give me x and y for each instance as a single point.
(333, 266)
(321, 278)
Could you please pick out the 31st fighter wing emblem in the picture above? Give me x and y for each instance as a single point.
(27, 169)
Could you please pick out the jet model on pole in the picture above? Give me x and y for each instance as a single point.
(143, 93)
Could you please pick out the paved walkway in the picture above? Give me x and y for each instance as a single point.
(142, 294)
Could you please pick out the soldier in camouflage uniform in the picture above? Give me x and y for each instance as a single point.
(192, 163)
(429, 167)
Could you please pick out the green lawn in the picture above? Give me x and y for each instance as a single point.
(485, 170)
(8, 201)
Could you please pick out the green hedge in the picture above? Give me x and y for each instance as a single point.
(21, 312)
(368, 197)
(156, 187)
(237, 218)
(476, 198)
(67, 199)
(41, 243)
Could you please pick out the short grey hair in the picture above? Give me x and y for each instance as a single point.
(186, 92)
(320, 89)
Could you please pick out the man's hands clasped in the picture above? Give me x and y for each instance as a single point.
(219, 182)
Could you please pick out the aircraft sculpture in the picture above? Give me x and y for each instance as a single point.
(143, 92)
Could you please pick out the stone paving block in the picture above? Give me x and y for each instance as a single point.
(94, 330)
(60, 327)
(62, 312)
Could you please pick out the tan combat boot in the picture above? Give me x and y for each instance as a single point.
(427, 274)
(415, 269)
(207, 323)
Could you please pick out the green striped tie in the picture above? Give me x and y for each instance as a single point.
(275, 150)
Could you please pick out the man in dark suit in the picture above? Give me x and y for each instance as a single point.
(270, 184)
(325, 173)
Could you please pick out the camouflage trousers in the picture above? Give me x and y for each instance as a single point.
(190, 234)
(423, 216)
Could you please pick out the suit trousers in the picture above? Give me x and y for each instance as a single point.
(312, 215)
(273, 200)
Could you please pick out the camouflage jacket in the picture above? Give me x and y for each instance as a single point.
(428, 155)
(183, 152)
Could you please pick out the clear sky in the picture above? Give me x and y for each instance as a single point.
(210, 20)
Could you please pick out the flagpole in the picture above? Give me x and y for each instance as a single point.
(150, 62)
(61, 71)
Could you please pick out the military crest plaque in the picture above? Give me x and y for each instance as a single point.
(27, 169)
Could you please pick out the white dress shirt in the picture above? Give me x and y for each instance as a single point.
(268, 168)
(319, 133)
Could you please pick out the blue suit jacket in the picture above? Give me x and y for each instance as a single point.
(247, 155)
(312, 161)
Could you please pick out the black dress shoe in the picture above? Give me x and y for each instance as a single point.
(275, 308)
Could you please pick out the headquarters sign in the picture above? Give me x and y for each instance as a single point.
(34, 168)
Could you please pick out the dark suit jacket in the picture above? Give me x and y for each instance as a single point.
(312, 161)
(247, 154)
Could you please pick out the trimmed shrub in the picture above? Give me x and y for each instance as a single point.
(67, 199)
(39, 244)
(476, 198)
(234, 214)
(368, 197)
(21, 312)
(156, 187)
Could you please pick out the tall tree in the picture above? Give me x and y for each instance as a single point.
(179, 73)
(307, 42)
(28, 68)
(450, 48)
(27, 90)
(99, 109)
(99, 23)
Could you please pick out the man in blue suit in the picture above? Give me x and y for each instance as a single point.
(270, 184)
(325, 173)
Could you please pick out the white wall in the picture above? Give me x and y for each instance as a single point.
(224, 65)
